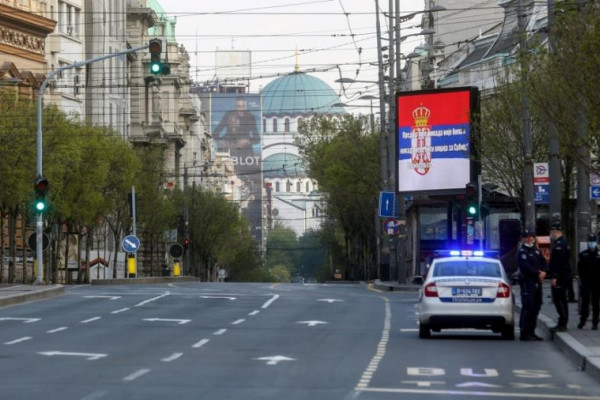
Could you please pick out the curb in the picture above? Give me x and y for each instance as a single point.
(584, 359)
(21, 295)
(144, 280)
(392, 288)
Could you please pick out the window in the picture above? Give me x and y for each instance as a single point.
(275, 125)
(286, 125)
(277, 186)
(264, 125)
(68, 19)
(467, 268)
(307, 187)
(299, 186)
(288, 186)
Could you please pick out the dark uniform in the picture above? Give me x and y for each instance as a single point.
(560, 269)
(588, 267)
(530, 262)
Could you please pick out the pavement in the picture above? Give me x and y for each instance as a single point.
(581, 346)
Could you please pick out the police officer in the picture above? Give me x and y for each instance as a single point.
(588, 267)
(560, 275)
(532, 271)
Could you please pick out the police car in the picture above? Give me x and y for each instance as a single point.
(466, 289)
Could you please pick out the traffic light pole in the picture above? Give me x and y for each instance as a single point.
(39, 225)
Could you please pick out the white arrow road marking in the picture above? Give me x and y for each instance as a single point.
(311, 323)
(218, 297)
(25, 320)
(89, 356)
(330, 300)
(179, 321)
(254, 312)
(136, 374)
(103, 297)
(274, 360)
(18, 340)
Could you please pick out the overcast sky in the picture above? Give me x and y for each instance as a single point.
(334, 38)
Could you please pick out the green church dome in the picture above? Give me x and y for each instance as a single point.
(299, 93)
(283, 165)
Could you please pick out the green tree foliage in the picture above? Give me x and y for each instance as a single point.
(282, 245)
(343, 156)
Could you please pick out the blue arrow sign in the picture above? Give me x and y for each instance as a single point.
(387, 204)
(131, 243)
(594, 192)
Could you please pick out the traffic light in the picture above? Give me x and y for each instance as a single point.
(186, 243)
(157, 67)
(40, 186)
(472, 197)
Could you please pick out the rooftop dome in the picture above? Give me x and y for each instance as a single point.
(163, 17)
(283, 165)
(299, 93)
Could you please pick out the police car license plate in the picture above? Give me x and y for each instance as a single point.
(466, 291)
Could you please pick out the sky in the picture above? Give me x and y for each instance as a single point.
(329, 39)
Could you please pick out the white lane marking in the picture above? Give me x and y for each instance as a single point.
(331, 300)
(270, 301)
(103, 297)
(220, 332)
(409, 330)
(120, 311)
(25, 320)
(23, 339)
(237, 322)
(89, 356)
(364, 381)
(479, 393)
(274, 360)
(172, 357)
(201, 343)
(254, 312)
(90, 320)
(95, 395)
(136, 374)
(311, 323)
(179, 321)
(152, 299)
(218, 297)
(62, 328)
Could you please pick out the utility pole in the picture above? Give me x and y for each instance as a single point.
(554, 146)
(391, 132)
(528, 199)
(39, 225)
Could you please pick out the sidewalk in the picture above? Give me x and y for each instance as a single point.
(14, 294)
(581, 346)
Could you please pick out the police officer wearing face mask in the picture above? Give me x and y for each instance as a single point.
(589, 282)
(532, 271)
(560, 275)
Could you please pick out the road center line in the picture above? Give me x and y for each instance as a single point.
(153, 299)
(136, 374)
(90, 320)
(239, 321)
(172, 357)
(254, 312)
(62, 328)
(23, 339)
(270, 301)
(220, 332)
(119, 311)
(201, 343)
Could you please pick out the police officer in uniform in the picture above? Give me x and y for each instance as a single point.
(588, 267)
(560, 275)
(532, 271)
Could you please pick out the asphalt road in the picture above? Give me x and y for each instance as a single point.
(260, 341)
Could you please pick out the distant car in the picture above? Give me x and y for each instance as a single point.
(466, 289)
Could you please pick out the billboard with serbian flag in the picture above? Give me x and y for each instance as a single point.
(435, 152)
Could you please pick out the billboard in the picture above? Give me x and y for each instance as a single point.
(434, 149)
(235, 124)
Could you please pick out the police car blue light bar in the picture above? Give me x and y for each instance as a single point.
(466, 253)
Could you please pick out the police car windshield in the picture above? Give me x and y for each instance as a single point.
(467, 268)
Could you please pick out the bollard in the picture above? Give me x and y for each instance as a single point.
(131, 266)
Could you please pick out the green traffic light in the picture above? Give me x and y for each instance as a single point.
(155, 68)
(40, 205)
(471, 210)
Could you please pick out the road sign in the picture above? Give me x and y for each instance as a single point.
(594, 192)
(176, 250)
(391, 226)
(32, 241)
(387, 204)
(541, 194)
(131, 243)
